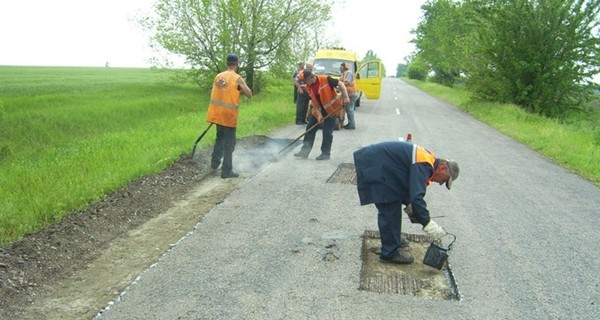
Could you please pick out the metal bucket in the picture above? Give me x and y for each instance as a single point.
(437, 255)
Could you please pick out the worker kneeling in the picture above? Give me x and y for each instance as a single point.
(396, 173)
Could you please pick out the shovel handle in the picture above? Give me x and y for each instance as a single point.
(200, 138)
(303, 134)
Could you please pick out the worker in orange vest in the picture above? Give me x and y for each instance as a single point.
(327, 106)
(223, 111)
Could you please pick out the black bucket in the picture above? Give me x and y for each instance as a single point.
(436, 255)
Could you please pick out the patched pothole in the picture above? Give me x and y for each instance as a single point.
(344, 174)
(414, 279)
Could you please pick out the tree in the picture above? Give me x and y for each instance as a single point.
(417, 68)
(370, 56)
(440, 39)
(538, 54)
(266, 34)
(401, 70)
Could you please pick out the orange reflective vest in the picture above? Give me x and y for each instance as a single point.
(224, 103)
(332, 103)
(420, 155)
(351, 87)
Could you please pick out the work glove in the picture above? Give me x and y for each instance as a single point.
(409, 213)
(433, 230)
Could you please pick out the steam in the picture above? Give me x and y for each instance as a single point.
(252, 159)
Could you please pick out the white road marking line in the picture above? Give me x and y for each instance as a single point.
(397, 111)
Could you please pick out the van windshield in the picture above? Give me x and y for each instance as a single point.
(330, 67)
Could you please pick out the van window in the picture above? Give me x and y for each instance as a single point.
(330, 67)
(371, 70)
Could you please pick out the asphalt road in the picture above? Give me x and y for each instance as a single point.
(527, 233)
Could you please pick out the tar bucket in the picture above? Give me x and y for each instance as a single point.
(437, 255)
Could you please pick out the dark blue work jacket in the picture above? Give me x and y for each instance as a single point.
(395, 171)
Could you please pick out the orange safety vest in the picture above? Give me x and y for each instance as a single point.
(224, 103)
(332, 102)
(351, 87)
(420, 155)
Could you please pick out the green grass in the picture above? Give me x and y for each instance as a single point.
(573, 142)
(69, 136)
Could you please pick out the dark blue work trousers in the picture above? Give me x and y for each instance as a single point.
(302, 107)
(389, 220)
(223, 149)
(309, 139)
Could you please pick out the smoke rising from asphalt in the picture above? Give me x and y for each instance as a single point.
(253, 159)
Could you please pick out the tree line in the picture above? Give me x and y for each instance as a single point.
(538, 54)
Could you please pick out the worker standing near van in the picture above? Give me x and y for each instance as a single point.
(327, 107)
(223, 111)
(303, 96)
(294, 76)
(348, 79)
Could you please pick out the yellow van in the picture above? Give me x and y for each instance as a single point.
(368, 75)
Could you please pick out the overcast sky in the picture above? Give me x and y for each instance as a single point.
(93, 32)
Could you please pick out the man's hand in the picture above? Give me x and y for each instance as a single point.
(433, 230)
(346, 100)
(409, 213)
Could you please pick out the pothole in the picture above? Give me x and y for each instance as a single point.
(345, 173)
(415, 279)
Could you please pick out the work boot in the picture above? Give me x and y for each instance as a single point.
(323, 157)
(349, 127)
(301, 154)
(403, 257)
(230, 174)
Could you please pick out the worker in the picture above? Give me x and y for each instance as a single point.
(223, 111)
(303, 96)
(327, 106)
(294, 75)
(302, 100)
(396, 173)
(348, 79)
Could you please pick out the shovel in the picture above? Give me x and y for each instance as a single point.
(302, 135)
(200, 138)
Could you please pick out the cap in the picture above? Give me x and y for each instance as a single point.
(454, 171)
(345, 65)
(304, 74)
(232, 57)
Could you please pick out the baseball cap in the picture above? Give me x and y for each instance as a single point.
(304, 74)
(232, 57)
(454, 171)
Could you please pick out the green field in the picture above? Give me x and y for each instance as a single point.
(68, 136)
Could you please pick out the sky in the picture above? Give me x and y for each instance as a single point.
(383, 26)
(94, 33)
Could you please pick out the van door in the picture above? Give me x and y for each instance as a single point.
(369, 77)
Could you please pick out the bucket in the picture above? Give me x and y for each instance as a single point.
(436, 255)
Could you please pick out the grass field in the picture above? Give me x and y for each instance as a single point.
(68, 136)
